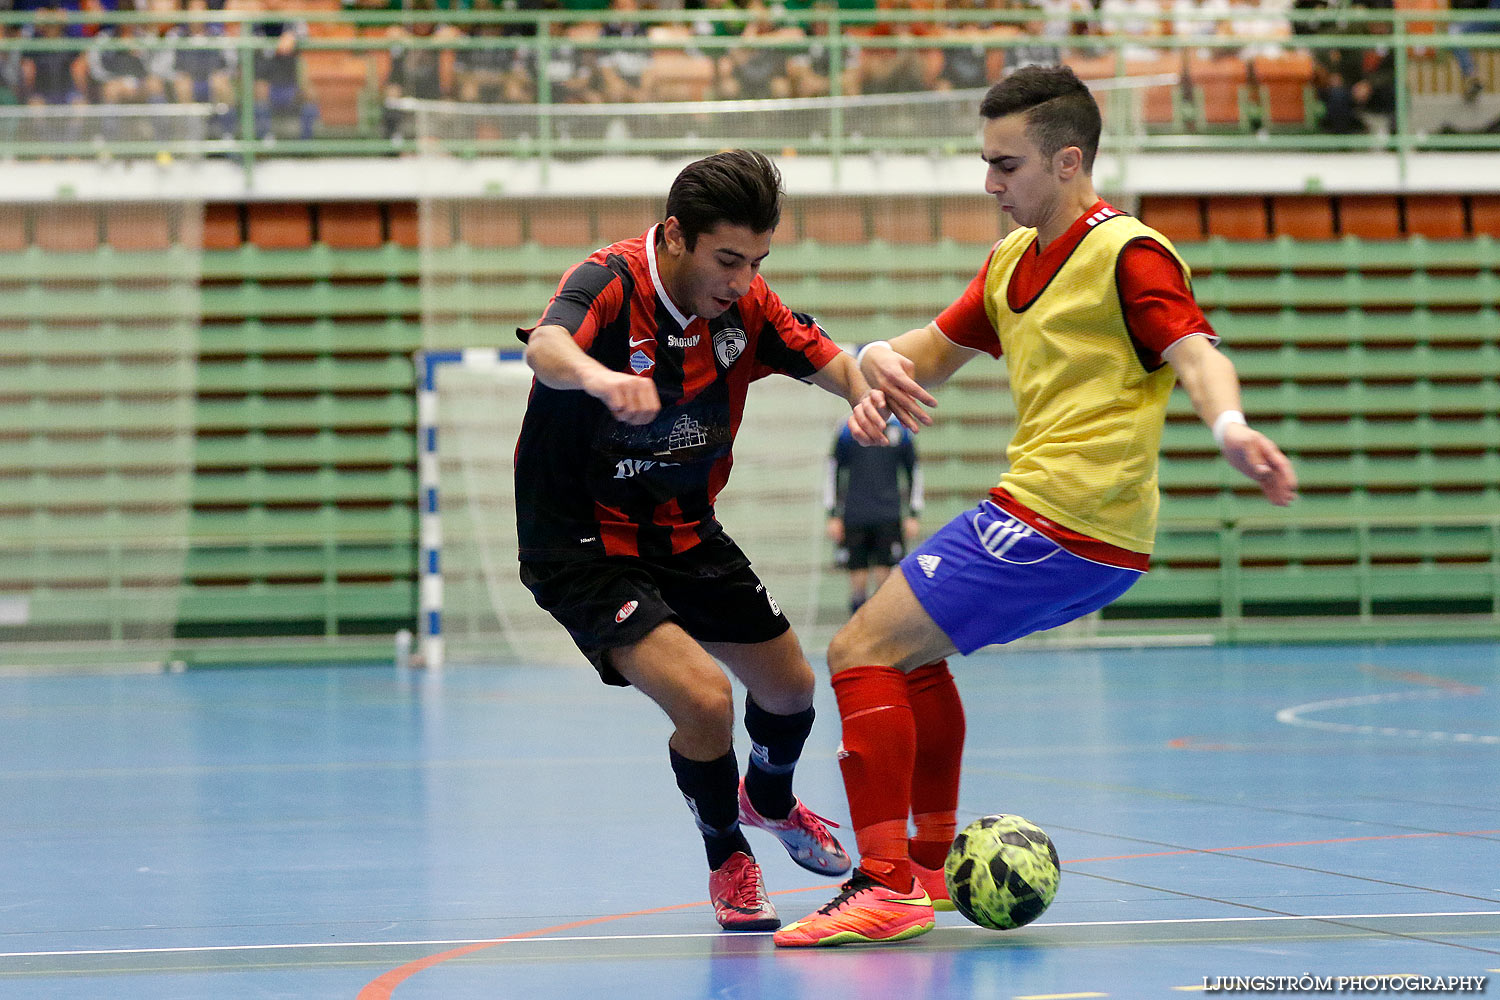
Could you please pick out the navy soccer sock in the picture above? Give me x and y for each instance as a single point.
(711, 788)
(776, 745)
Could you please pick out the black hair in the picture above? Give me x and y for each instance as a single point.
(1059, 109)
(740, 187)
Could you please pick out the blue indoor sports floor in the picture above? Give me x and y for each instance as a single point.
(363, 833)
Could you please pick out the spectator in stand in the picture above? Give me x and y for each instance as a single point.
(1041, 49)
(136, 74)
(808, 73)
(205, 75)
(1139, 20)
(1260, 27)
(10, 64)
(204, 72)
(1358, 82)
(48, 76)
(279, 96)
(747, 73)
(1203, 19)
(621, 69)
(418, 69)
(1472, 85)
(572, 71)
(496, 73)
(901, 70)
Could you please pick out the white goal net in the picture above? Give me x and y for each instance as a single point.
(772, 507)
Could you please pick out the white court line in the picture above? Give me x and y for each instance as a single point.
(460, 942)
(1293, 717)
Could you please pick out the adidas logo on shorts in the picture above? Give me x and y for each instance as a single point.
(929, 564)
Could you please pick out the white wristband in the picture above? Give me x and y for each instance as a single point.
(860, 357)
(1222, 424)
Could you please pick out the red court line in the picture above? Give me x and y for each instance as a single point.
(382, 987)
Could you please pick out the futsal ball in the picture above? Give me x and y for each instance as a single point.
(1001, 872)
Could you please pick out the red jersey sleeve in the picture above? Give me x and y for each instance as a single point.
(589, 297)
(790, 343)
(966, 322)
(1159, 307)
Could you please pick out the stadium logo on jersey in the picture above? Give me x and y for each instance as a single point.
(626, 610)
(729, 344)
(686, 433)
(929, 564)
(640, 362)
(675, 341)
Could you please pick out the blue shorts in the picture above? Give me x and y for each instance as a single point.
(986, 577)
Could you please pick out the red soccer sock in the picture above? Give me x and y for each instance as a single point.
(938, 714)
(876, 759)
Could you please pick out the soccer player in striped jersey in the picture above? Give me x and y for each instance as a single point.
(1093, 314)
(642, 360)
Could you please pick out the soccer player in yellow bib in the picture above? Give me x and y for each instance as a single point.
(1093, 314)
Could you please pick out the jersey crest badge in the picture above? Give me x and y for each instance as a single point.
(729, 344)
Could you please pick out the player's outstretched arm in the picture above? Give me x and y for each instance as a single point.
(901, 371)
(1211, 383)
(560, 363)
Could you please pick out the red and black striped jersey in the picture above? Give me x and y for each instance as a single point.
(589, 485)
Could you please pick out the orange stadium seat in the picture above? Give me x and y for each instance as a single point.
(1177, 217)
(1218, 86)
(832, 220)
(349, 225)
(491, 224)
(221, 226)
(336, 80)
(1484, 213)
(970, 219)
(1435, 216)
(902, 220)
(1303, 217)
(138, 227)
(560, 223)
(280, 226)
(12, 227)
(1239, 217)
(1370, 216)
(1285, 86)
(406, 226)
(622, 218)
(1158, 103)
(66, 227)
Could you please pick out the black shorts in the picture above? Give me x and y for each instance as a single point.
(874, 544)
(710, 590)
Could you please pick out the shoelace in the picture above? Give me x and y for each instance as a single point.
(858, 883)
(818, 825)
(746, 893)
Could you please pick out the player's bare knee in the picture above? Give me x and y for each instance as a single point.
(848, 649)
(707, 711)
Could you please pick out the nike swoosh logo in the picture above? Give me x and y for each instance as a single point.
(922, 900)
(643, 340)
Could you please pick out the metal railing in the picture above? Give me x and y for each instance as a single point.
(838, 48)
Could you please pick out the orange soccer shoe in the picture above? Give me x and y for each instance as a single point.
(933, 881)
(864, 912)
